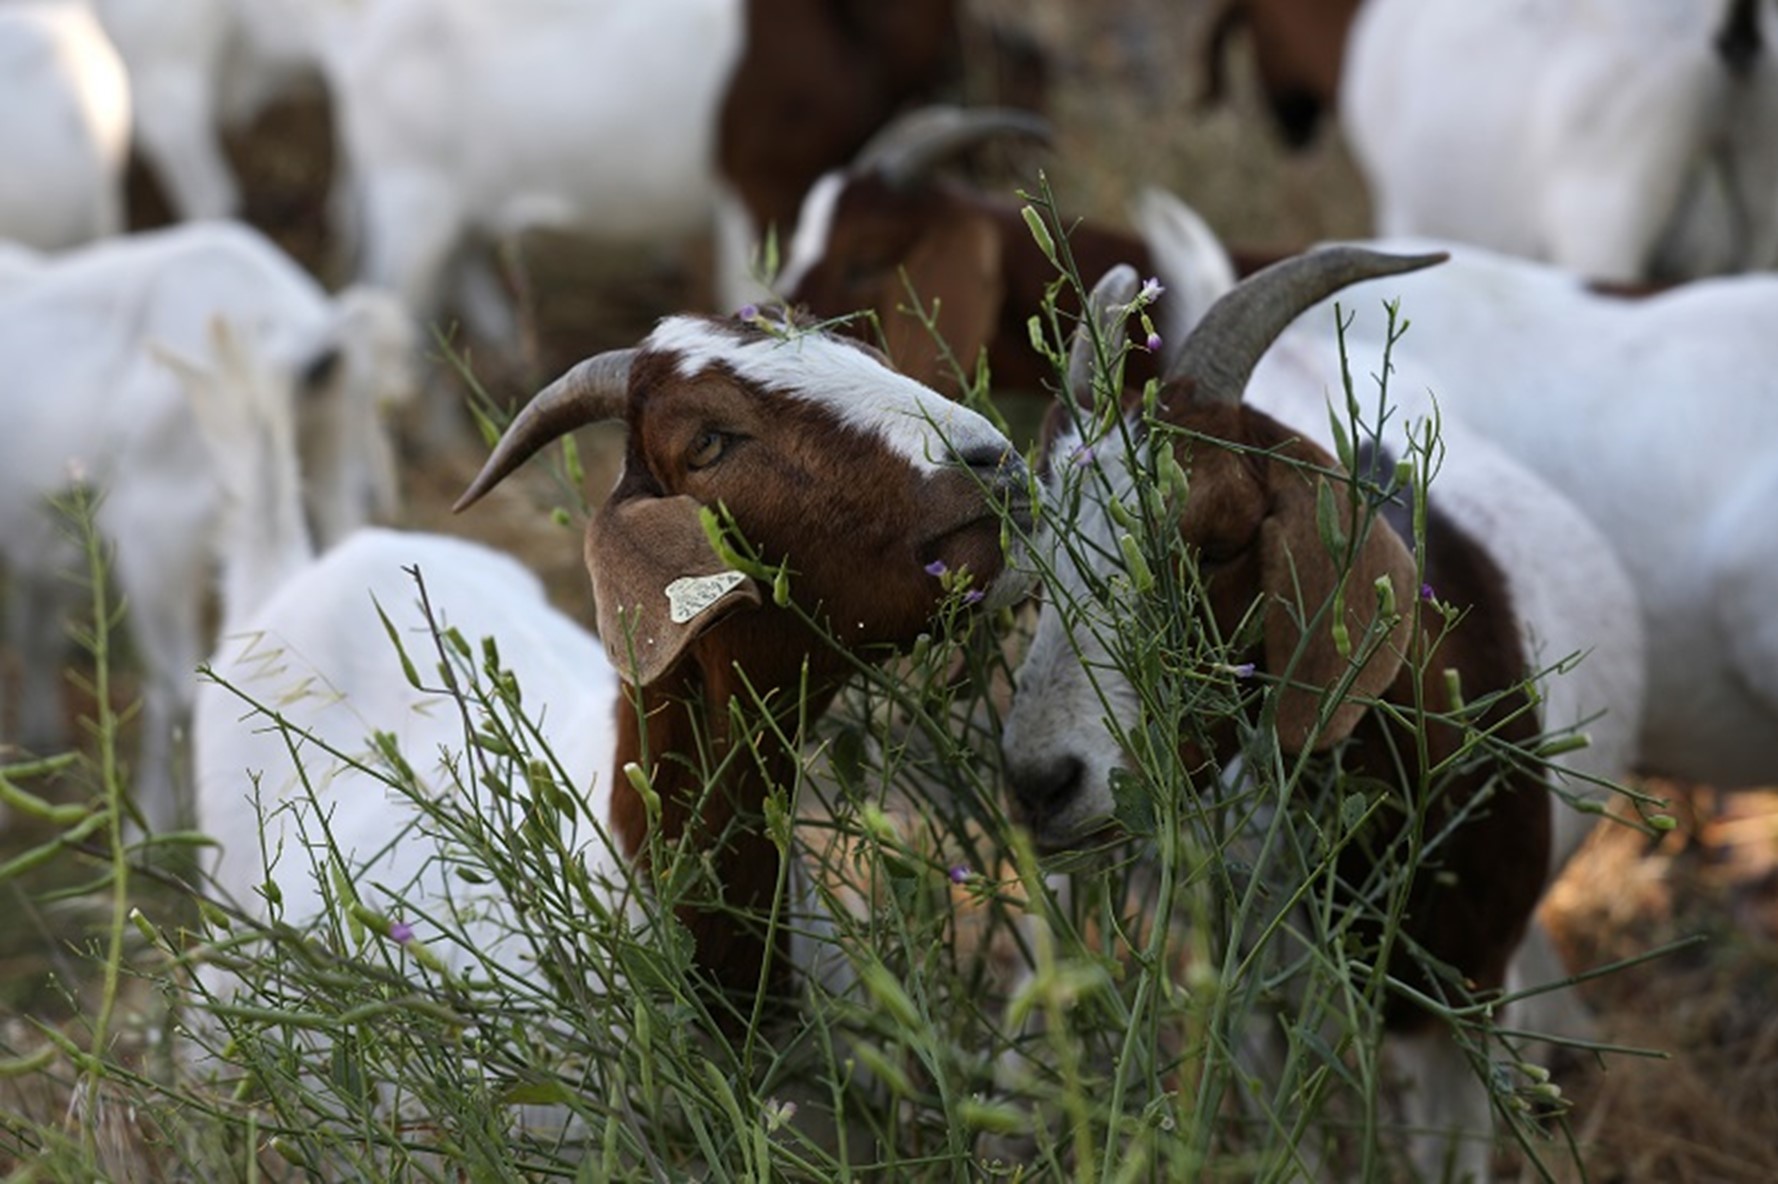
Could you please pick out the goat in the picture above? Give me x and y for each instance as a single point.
(887, 223)
(175, 55)
(1657, 417)
(1298, 50)
(64, 126)
(1628, 142)
(87, 401)
(1535, 584)
(299, 628)
(827, 460)
(622, 120)
(202, 66)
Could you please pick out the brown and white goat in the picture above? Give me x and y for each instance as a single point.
(826, 460)
(1382, 682)
(966, 254)
(817, 78)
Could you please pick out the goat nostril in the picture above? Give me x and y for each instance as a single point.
(1044, 789)
(989, 460)
(999, 468)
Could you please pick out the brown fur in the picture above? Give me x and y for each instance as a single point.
(815, 79)
(830, 501)
(1474, 895)
(1299, 50)
(973, 256)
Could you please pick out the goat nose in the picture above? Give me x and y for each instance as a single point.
(1002, 471)
(1045, 790)
(996, 464)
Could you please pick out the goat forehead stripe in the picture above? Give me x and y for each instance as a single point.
(920, 425)
(814, 225)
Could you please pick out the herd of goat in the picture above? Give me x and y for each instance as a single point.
(1561, 189)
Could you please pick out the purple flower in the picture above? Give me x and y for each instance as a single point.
(1082, 455)
(748, 312)
(960, 874)
(1426, 592)
(936, 568)
(1153, 343)
(1151, 290)
(1244, 670)
(400, 932)
(972, 596)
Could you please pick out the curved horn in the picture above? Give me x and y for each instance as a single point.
(1222, 351)
(908, 149)
(595, 389)
(1108, 307)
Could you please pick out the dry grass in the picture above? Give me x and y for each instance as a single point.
(1708, 1111)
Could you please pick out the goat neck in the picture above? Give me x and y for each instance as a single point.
(688, 712)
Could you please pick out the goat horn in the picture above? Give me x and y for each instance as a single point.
(906, 152)
(1221, 352)
(1107, 309)
(595, 389)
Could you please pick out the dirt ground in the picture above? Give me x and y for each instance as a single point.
(1702, 1107)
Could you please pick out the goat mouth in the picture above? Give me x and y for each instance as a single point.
(1082, 840)
(1018, 511)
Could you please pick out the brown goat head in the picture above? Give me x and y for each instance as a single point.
(826, 461)
(889, 216)
(1253, 527)
(1251, 521)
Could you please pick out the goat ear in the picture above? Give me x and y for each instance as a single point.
(961, 256)
(1295, 567)
(657, 584)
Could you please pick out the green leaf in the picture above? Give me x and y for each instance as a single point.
(1040, 233)
(1132, 804)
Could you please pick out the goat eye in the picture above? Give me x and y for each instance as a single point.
(706, 450)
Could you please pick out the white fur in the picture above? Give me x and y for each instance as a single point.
(87, 399)
(1659, 419)
(814, 227)
(197, 67)
(318, 654)
(304, 637)
(460, 120)
(1599, 136)
(856, 388)
(64, 125)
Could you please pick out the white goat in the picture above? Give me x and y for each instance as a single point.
(625, 121)
(87, 400)
(64, 126)
(1631, 140)
(818, 450)
(460, 125)
(301, 634)
(200, 66)
(1658, 417)
(1538, 585)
